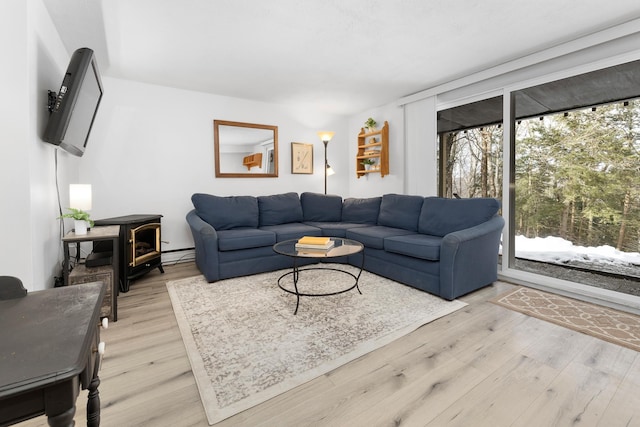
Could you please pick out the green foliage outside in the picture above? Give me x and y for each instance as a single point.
(577, 176)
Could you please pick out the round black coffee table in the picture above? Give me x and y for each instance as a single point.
(341, 247)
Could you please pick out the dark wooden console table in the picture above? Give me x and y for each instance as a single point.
(49, 343)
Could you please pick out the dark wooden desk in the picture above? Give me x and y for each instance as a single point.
(48, 350)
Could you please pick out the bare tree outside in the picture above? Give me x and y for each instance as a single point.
(474, 162)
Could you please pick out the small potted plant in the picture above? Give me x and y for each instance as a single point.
(81, 220)
(370, 124)
(367, 163)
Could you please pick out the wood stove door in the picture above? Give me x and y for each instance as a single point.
(144, 243)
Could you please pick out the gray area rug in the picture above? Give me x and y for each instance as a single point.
(246, 346)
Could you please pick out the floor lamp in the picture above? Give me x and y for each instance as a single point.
(326, 137)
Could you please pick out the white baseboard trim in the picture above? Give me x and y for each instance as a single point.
(177, 257)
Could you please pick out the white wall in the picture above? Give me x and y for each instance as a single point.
(31, 246)
(373, 184)
(422, 147)
(151, 148)
(15, 223)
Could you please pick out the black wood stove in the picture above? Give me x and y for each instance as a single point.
(140, 245)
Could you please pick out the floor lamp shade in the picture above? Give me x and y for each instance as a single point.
(326, 136)
(80, 196)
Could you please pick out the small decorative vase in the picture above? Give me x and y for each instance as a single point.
(80, 226)
(367, 167)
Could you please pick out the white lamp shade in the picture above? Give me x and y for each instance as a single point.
(330, 171)
(326, 135)
(80, 196)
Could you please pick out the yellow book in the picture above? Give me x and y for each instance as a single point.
(324, 247)
(311, 240)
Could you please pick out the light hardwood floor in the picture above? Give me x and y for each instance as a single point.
(480, 366)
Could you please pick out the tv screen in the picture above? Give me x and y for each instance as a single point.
(76, 104)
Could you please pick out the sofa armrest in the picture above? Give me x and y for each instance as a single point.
(469, 258)
(205, 239)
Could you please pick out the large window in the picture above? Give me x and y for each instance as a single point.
(575, 187)
(470, 150)
(577, 195)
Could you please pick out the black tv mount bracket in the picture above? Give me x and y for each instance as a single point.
(51, 100)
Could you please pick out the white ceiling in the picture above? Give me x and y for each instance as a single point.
(342, 56)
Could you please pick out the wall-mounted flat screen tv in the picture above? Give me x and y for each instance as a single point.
(73, 109)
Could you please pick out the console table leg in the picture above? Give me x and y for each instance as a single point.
(93, 403)
(63, 419)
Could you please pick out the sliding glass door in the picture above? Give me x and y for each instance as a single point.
(574, 202)
(576, 187)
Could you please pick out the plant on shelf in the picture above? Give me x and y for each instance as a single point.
(370, 124)
(81, 219)
(367, 163)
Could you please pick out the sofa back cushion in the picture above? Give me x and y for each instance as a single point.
(400, 211)
(321, 207)
(441, 216)
(279, 209)
(225, 213)
(361, 211)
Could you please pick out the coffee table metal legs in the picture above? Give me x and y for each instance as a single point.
(295, 273)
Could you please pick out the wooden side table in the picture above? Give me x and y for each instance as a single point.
(98, 233)
(81, 274)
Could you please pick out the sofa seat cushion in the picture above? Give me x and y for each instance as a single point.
(400, 211)
(279, 209)
(361, 211)
(293, 230)
(334, 229)
(244, 238)
(321, 207)
(373, 236)
(415, 245)
(441, 216)
(244, 255)
(225, 213)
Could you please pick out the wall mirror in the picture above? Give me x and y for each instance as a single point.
(245, 150)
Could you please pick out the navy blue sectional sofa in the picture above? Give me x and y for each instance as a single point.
(447, 247)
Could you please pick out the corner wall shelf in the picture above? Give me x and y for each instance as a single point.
(252, 160)
(374, 148)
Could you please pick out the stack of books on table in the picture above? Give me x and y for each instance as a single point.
(314, 243)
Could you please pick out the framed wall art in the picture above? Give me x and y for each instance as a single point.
(301, 158)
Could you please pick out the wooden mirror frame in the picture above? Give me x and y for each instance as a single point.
(217, 144)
